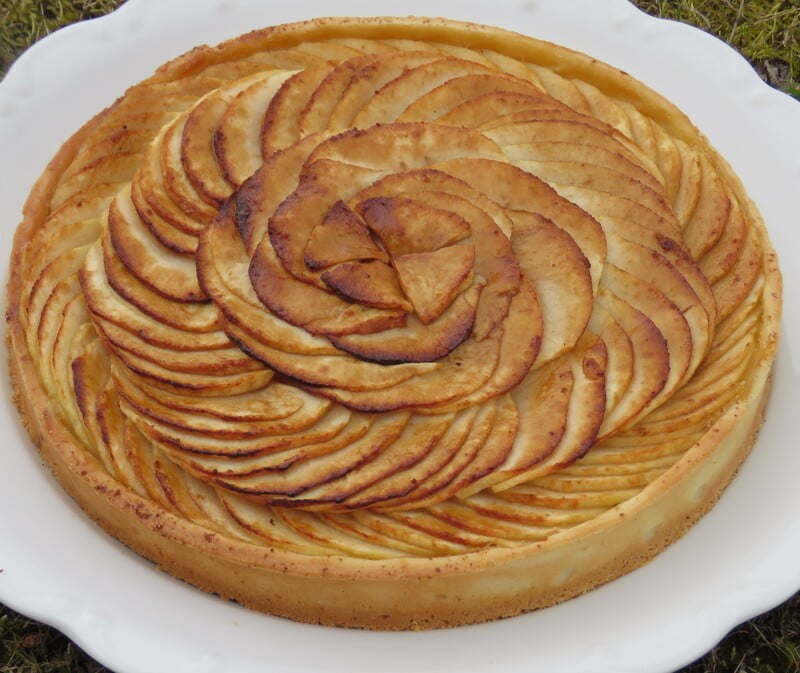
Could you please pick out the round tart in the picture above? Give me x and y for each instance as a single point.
(392, 323)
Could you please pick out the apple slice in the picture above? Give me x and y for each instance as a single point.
(559, 272)
(405, 226)
(431, 280)
(170, 274)
(371, 283)
(393, 98)
(584, 414)
(280, 127)
(367, 81)
(415, 341)
(276, 462)
(173, 438)
(176, 182)
(341, 236)
(237, 138)
(288, 487)
(316, 114)
(456, 91)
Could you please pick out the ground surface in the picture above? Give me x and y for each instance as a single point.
(767, 32)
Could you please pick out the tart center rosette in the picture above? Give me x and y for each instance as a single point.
(400, 284)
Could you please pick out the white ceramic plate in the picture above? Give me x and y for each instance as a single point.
(740, 560)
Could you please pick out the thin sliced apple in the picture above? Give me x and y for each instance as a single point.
(341, 236)
(405, 226)
(431, 280)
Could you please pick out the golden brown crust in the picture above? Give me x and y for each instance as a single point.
(454, 588)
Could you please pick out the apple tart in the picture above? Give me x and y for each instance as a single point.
(356, 324)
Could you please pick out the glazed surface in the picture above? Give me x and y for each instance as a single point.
(334, 344)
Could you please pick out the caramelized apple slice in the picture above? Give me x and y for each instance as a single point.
(340, 237)
(431, 280)
(371, 283)
(405, 226)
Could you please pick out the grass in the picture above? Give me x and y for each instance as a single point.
(23, 22)
(767, 32)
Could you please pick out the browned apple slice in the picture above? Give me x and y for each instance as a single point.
(72, 336)
(176, 181)
(719, 260)
(393, 98)
(237, 138)
(420, 437)
(297, 479)
(490, 106)
(668, 318)
(153, 190)
(542, 401)
(403, 481)
(559, 272)
(431, 280)
(732, 288)
(275, 462)
(185, 316)
(197, 149)
(668, 246)
(706, 395)
(367, 81)
(454, 92)
(44, 260)
(171, 275)
(178, 439)
(437, 484)
(349, 527)
(405, 226)
(151, 373)
(89, 378)
(390, 528)
(56, 287)
(518, 191)
(269, 402)
(128, 139)
(139, 454)
(322, 185)
(257, 199)
(518, 348)
(490, 515)
(457, 375)
(494, 258)
(371, 283)
(619, 368)
(649, 361)
(652, 268)
(426, 522)
(280, 127)
(341, 236)
(148, 406)
(584, 414)
(316, 114)
(707, 222)
(173, 238)
(112, 168)
(415, 341)
(543, 152)
(284, 346)
(304, 305)
(107, 304)
(387, 147)
(76, 217)
(187, 357)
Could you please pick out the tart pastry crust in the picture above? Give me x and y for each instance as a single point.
(361, 326)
